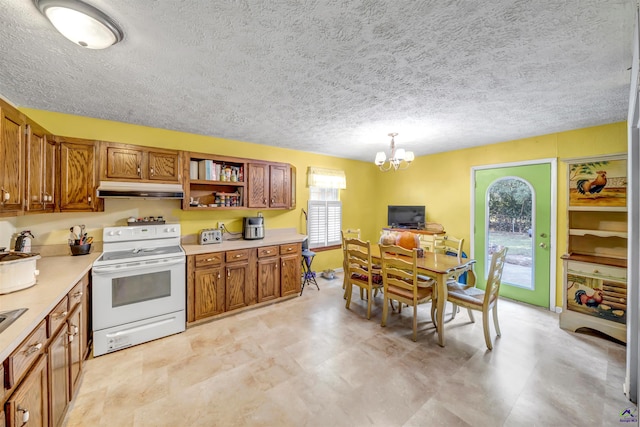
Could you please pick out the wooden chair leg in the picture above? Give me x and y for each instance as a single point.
(369, 301)
(495, 319)
(433, 313)
(473, 320)
(385, 311)
(347, 293)
(487, 331)
(455, 311)
(415, 322)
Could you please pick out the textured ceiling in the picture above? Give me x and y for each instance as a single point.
(334, 76)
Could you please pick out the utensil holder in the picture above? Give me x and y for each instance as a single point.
(80, 249)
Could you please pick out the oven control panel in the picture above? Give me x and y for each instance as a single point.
(209, 236)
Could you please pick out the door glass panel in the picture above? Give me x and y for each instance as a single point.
(510, 224)
(143, 287)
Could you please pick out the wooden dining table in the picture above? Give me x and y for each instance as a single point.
(439, 267)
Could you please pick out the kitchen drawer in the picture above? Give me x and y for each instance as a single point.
(239, 255)
(267, 251)
(206, 260)
(290, 248)
(57, 316)
(75, 294)
(23, 357)
(597, 271)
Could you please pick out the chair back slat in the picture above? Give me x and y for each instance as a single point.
(358, 259)
(494, 278)
(448, 245)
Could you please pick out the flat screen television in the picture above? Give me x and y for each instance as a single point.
(406, 216)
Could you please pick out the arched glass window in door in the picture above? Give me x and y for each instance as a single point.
(510, 223)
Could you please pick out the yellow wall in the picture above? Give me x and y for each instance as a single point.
(441, 181)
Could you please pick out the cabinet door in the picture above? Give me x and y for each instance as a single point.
(290, 281)
(257, 181)
(124, 163)
(35, 153)
(237, 276)
(268, 279)
(279, 186)
(50, 170)
(77, 176)
(164, 166)
(30, 400)
(12, 128)
(58, 359)
(209, 295)
(75, 332)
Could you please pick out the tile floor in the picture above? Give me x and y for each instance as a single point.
(310, 362)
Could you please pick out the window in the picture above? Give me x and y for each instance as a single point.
(324, 218)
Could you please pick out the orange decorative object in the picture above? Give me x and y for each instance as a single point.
(408, 240)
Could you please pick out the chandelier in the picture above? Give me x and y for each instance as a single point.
(399, 159)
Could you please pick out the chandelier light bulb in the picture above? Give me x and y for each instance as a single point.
(399, 158)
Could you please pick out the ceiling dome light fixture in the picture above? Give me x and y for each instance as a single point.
(81, 23)
(400, 159)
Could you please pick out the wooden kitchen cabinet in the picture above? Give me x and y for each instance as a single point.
(28, 405)
(12, 132)
(238, 280)
(269, 185)
(208, 286)
(78, 174)
(40, 170)
(137, 163)
(58, 371)
(76, 355)
(290, 258)
(268, 273)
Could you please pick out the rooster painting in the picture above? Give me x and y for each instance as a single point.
(585, 186)
(582, 298)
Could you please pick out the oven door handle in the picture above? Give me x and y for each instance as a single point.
(138, 265)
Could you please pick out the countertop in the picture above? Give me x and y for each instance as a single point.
(58, 274)
(272, 237)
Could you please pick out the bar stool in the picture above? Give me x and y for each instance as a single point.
(308, 275)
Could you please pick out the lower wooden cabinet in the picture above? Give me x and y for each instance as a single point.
(218, 282)
(29, 403)
(58, 361)
(42, 375)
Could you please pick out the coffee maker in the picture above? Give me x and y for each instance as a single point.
(253, 228)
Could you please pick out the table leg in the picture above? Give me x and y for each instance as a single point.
(441, 289)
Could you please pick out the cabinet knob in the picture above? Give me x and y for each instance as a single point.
(33, 348)
(25, 415)
(59, 315)
(151, 171)
(89, 199)
(228, 273)
(209, 259)
(138, 170)
(77, 294)
(238, 255)
(218, 274)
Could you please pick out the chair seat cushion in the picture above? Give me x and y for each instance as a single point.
(376, 278)
(472, 296)
(423, 292)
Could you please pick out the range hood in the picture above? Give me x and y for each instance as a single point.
(144, 190)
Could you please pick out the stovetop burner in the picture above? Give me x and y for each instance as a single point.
(133, 254)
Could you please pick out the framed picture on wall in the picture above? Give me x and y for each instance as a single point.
(598, 183)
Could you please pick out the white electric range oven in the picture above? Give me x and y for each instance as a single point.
(138, 286)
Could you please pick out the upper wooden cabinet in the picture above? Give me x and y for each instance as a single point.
(12, 132)
(78, 181)
(136, 163)
(269, 185)
(40, 172)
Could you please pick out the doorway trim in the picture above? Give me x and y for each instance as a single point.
(553, 162)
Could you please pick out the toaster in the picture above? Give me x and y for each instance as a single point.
(209, 236)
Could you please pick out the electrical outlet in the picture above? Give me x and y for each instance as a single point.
(220, 225)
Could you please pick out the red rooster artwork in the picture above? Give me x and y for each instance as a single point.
(582, 298)
(585, 186)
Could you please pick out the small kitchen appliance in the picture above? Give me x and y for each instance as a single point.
(138, 286)
(253, 228)
(209, 236)
(17, 271)
(23, 242)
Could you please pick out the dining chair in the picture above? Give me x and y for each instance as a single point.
(451, 246)
(361, 271)
(402, 283)
(485, 300)
(349, 233)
